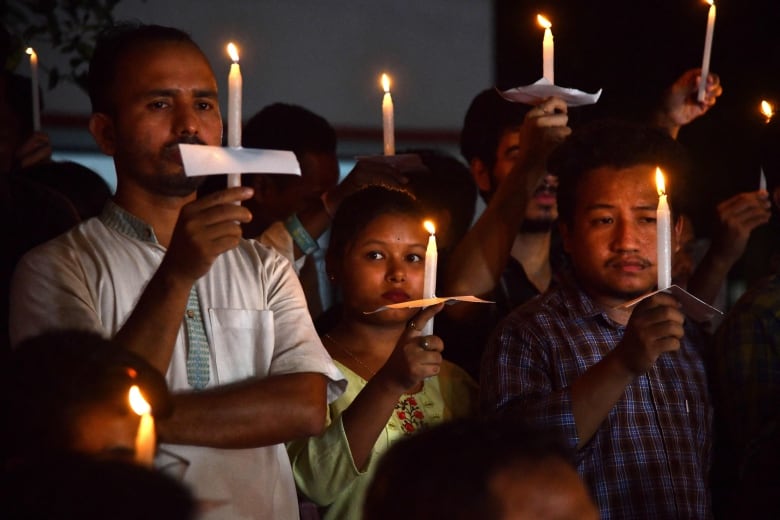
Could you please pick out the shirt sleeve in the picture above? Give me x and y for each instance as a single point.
(323, 466)
(517, 378)
(49, 290)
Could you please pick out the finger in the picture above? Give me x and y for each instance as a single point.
(226, 196)
(419, 320)
(430, 343)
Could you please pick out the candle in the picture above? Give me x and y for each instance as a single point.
(145, 439)
(664, 234)
(767, 110)
(234, 109)
(36, 102)
(388, 124)
(705, 63)
(548, 49)
(431, 261)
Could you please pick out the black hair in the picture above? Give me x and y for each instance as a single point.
(487, 118)
(49, 378)
(112, 45)
(459, 458)
(445, 185)
(619, 144)
(281, 126)
(363, 207)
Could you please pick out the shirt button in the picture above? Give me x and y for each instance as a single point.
(190, 313)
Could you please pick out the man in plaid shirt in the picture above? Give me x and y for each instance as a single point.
(626, 387)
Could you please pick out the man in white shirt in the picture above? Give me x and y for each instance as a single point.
(169, 277)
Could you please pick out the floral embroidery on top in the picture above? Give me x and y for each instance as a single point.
(410, 415)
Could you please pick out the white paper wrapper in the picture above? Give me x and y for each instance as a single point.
(542, 89)
(693, 307)
(209, 160)
(427, 302)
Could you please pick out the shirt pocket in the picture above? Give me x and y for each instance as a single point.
(243, 343)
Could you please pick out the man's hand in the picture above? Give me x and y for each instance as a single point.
(544, 128)
(738, 217)
(365, 173)
(655, 327)
(206, 228)
(680, 105)
(35, 150)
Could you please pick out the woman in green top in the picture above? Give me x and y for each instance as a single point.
(398, 382)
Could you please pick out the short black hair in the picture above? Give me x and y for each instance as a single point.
(50, 377)
(459, 458)
(282, 126)
(487, 118)
(112, 45)
(445, 184)
(619, 144)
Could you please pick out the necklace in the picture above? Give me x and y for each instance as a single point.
(350, 354)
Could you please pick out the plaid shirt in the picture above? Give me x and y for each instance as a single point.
(746, 380)
(651, 455)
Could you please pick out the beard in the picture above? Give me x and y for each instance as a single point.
(537, 225)
(174, 183)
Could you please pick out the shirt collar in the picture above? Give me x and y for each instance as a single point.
(122, 221)
(580, 304)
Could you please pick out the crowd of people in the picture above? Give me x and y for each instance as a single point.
(278, 392)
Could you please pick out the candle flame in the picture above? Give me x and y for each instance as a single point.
(544, 22)
(710, 2)
(386, 82)
(232, 50)
(428, 225)
(767, 110)
(137, 401)
(659, 182)
(30, 51)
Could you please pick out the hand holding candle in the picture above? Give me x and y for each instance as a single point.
(36, 101)
(146, 439)
(234, 109)
(664, 234)
(548, 49)
(431, 264)
(705, 64)
(388, 124)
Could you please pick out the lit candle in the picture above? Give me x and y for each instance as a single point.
(388, 125)
(36, 102)
(234, 109)
(664, 234)
(705, 63)
(768, 111)
(145, 439)
(431, 261)
(548, 49)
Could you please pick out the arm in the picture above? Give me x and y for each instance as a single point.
(680, 106)
(406, 367)
(478, 260)
(259, 412)
(738, 217)
(205, 229)
(655, 327)
(316, 218)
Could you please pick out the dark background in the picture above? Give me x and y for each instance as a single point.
(635, 49)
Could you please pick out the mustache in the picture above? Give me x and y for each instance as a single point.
(187, 139)
(546, 189)
(621, 259)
